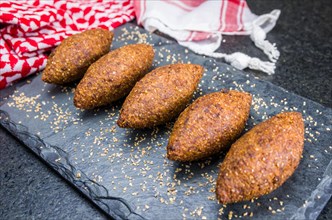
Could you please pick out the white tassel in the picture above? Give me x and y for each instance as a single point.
(258, 36)
(257, 64)
(242, 61)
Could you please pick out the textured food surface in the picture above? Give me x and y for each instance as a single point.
(70, 60)
(209, 125)
(113, 76)
(262, 159)
(160, 96)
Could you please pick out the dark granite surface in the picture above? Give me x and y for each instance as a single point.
(31, 190)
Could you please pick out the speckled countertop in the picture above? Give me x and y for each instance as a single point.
(29, 189)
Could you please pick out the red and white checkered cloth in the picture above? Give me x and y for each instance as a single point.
(199, 25)
(34, 27)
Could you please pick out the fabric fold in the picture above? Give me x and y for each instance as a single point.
(200, 25)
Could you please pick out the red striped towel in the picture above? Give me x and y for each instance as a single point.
(199, 25)
(33, 27)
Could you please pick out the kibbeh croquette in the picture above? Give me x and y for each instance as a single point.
(113, 76)
(160, 96)
(210, 124)
(70, 60)
(262, 159)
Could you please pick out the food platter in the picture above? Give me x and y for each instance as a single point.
(125, 171)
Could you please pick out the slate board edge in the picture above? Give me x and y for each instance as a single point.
(323, 188)
(69, 174)
(66, 170)
(101, 201)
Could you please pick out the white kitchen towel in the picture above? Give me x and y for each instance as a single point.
(199, 25)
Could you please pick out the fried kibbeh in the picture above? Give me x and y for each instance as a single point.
(160, 95)
(70, 60)
(210, 124)
(113, 76)
(262, 159)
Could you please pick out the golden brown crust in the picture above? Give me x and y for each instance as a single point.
(209, 125)
(262, 159)
(70, 60)
(113, 76)
(160, 96)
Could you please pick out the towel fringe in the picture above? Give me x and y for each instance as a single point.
(241, 61)
(258, 36)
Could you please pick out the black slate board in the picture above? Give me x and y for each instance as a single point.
(125, 171)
